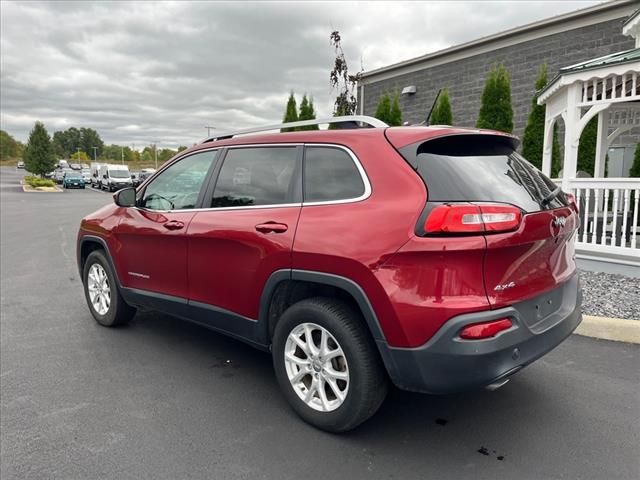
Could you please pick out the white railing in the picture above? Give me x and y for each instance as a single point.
(613, 88)
(609, 214)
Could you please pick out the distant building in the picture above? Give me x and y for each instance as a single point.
(559, 41)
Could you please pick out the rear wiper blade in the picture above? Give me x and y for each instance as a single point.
(551, 196)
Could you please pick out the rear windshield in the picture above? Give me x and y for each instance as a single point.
(481, 168)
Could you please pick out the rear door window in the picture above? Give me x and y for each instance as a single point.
(330, 174)
(256, 176)
(481, 168)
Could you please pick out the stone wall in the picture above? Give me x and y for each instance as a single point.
(465, 78)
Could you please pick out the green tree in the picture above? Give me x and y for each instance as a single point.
(290, 113)
(395, 113)
(89, 139)
(307, 112)
(181, 148)
(383, 110)
(496, 112)
(67, 142)
(80, 157)
(9, 147)
(635, 167)
(533, 139)
(38, 155)
(442, 114)
(587, 147)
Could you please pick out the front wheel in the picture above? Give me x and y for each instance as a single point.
(327, 364)
(102, 294)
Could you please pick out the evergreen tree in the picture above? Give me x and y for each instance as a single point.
(9, 148)
(395, 114)
(291, 113)
(495, 110)
(587, 147)
(38, 155)
(383, 111)
(307, 113)
(635, 167)
(533, 139)
(442, 114)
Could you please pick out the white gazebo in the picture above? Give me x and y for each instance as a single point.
(609, 88)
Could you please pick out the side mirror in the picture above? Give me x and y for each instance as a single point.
(125, 197)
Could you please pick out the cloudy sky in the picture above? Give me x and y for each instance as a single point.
(159, 72)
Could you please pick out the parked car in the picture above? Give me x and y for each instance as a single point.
(135, 178)
(86, 175)
(73, 179)
(114, 177)
(84, 166)
(62, 164)
(75, 166)
(20, 164)
(59, 174)
(434, 258)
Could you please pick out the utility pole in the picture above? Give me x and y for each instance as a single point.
(78, 150)
(209, 128)
(122, 154)
(95, 150)
(155, 151)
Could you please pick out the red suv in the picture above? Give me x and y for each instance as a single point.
(434, 257)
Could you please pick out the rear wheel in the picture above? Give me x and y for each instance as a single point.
(101, 291)
(327, 364)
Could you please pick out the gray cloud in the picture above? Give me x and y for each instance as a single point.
(141, 72)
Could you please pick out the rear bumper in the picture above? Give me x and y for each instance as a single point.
(448, 364)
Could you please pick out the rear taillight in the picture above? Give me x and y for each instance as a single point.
(478, 331)
(472, 217)
(572, 201)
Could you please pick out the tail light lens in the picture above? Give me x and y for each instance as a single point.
(472, 217)
(478, 331)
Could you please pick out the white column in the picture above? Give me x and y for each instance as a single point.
(571, 135)
(547, 146)
(602, 144)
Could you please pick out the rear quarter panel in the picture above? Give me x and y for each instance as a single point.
(354, 240)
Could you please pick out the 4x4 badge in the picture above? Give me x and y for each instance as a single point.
(559, 221)
(499, 288)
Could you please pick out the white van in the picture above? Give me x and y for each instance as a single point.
(115, 177)
(95, 174)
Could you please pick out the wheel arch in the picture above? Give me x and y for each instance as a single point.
(286, 287)
(88, 244)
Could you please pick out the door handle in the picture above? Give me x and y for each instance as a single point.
(173, 225)
(271, 227)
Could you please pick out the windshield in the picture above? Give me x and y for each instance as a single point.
(480, 170)
(119, 173)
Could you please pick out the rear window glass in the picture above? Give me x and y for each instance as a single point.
(459, 168)
(256, 176)
(329, 175)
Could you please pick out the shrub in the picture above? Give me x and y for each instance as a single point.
(442, 114)
(635, 167)
(36, 182)
(495, 110)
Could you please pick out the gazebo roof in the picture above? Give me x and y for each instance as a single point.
(607, 60)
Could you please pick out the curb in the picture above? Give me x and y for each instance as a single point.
(29, 189)
(614, 329)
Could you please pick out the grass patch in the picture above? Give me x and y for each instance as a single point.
(36, 182)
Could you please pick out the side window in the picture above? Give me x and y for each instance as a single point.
(255, 176)
(330, 174)
(178, 187)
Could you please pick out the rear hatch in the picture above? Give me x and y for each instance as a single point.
(477, 184)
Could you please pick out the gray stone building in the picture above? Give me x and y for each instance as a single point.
(559, 41)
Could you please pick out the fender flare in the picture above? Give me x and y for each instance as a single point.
(103, 243)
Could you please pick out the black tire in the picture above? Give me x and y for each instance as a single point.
(119, 312)
(368, 382)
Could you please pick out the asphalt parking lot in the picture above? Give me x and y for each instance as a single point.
(165, 399)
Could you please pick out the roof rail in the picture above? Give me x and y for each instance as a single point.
(353, 119)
